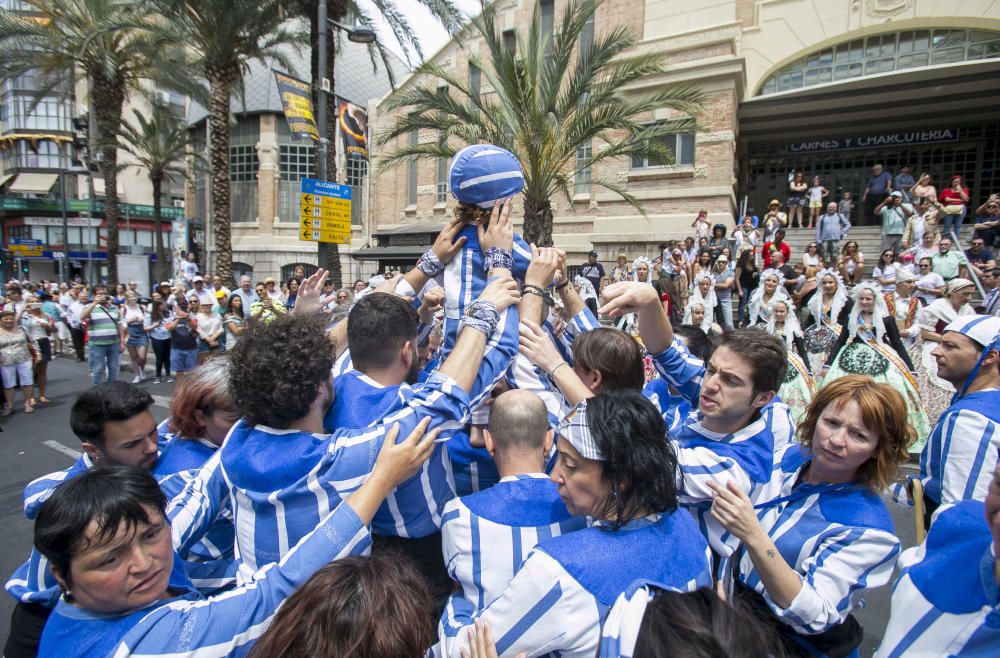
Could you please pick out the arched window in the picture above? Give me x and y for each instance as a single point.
(883, 53)
(242, 269)
(288, 271)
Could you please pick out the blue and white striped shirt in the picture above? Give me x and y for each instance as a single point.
(673, 408)
(191, 625)
(839, 538)
(566, 586)
(747, 457)
(945, 601)
(33, 582)
(464, 279)
(283, 482)
(486, 536)
(962, 451)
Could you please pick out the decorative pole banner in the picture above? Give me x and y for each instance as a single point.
(296, 100)
(353, 123)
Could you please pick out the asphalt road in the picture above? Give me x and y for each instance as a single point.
(39, 443)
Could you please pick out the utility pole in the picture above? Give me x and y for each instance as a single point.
(326, 250)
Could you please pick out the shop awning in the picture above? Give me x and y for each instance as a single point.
(382, 253)
(33, 183)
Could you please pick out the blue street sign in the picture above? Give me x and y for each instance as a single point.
(324, 188)
(26, 241)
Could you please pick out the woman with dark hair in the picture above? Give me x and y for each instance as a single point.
(851, 263)
(886, 270)
(797, 187)
(293, 292)
(615, 467)
(649, 621)
(234, 320)
(125, 593)
(747, 278)
(718, 240)
(156, 321)
(374, 607)
(812, 540)
(702, 264)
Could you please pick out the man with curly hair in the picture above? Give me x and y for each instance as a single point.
(284, 472)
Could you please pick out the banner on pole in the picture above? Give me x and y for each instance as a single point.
(353, 124)
(296, 101)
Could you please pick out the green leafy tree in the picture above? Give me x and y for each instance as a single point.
(159, 143)
(365, 15)
(223, 37)
(550, 98)
(108, 41)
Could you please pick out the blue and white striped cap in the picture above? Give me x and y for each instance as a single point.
(984, 329)
(482, 173)
(574, 429)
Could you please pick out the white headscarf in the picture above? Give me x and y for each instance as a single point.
(642, 260)
(707, 321)
(757, 299)
(710, 300)
(791, 329)
(839, 297)
(879, 313)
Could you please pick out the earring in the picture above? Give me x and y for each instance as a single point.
(68, 596)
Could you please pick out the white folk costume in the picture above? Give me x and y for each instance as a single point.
(797, 387)
(760, 311)
(935, 317)
(823, 327)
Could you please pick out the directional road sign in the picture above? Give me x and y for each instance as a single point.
(325, 212)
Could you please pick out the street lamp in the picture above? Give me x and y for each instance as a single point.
(357, 35)
(75, 168)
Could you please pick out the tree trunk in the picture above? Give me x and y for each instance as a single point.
(107, 99)
(161, 255)
(538, 222)
(328, 252)
(220, 81)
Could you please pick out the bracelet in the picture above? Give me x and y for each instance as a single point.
(481, 316)
(497, 257)
(563, 285)
(530, 289)
(430, 264)
(561, 364)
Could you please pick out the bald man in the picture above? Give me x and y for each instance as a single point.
(486, 535)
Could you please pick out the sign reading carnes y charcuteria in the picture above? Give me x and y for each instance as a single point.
(880, 140)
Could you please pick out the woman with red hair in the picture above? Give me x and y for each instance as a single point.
(201, 413)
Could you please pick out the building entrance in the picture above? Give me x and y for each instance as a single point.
(974, 156)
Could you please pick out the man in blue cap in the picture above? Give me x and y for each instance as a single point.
(961, 454)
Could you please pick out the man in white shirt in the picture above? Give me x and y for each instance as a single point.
(246, 293)
(930, 284)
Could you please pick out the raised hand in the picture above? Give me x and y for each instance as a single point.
(501, 230)
(310, 299)
(628, 297)
(545, 262)
(432, 302)
(446, 247)
(535, 344)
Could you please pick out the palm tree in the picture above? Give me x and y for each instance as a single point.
(550, 100)
(107, 39)
(159, 143)
(339, 10)
(223, 37)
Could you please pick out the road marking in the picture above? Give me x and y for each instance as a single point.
(58, 447)
(162, 401)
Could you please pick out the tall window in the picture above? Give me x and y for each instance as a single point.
(547, 10)
(411, 174)
(583, 173)
(356, 170)
(510, 41)
(475, 78)
(295, 162)
(680, 145)
(442, 181)
(244, 163)
(587, 35)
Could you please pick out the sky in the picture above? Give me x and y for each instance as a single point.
(431, 35)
